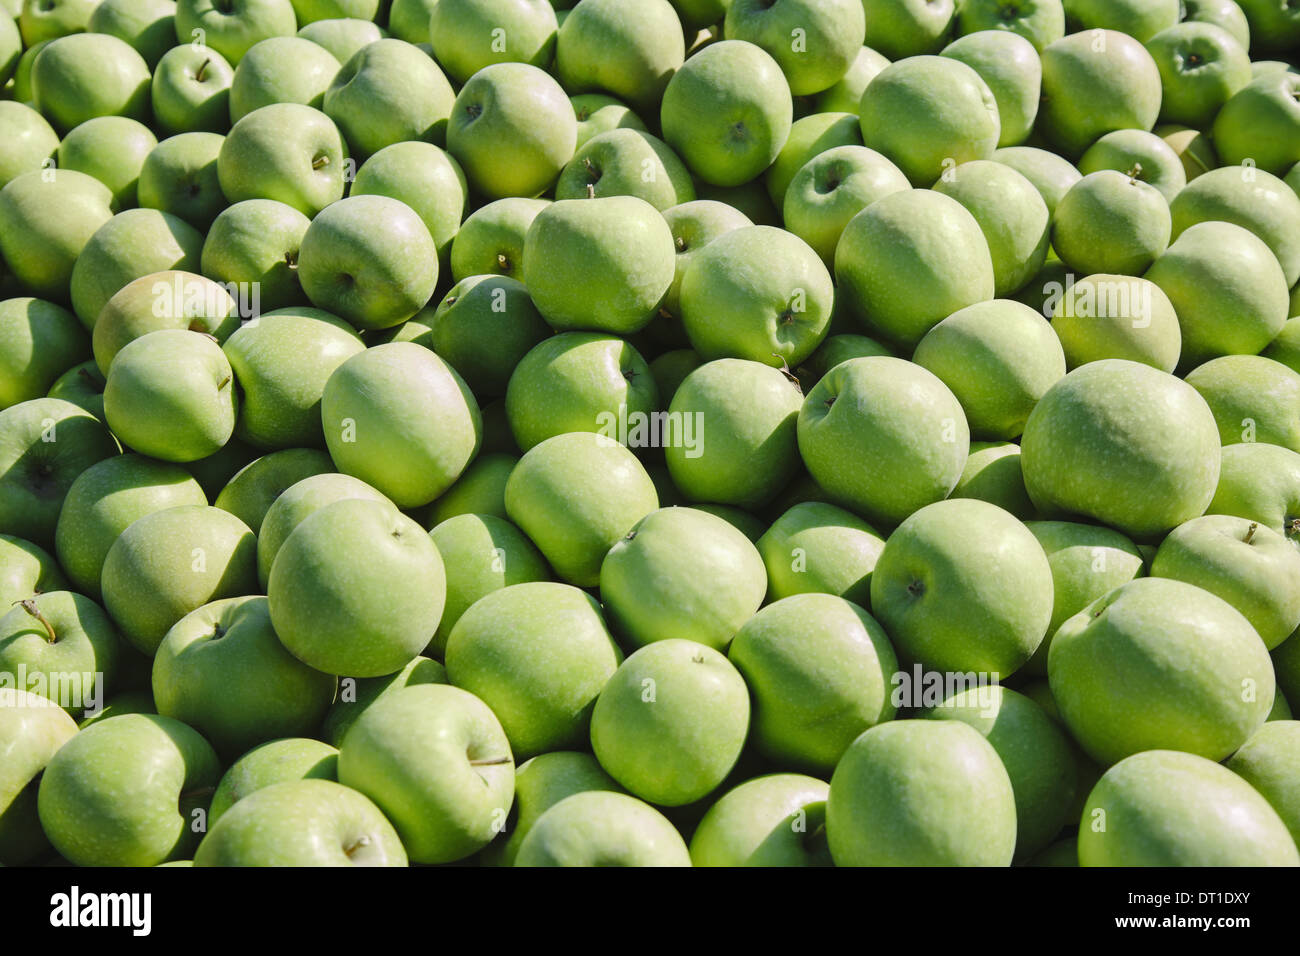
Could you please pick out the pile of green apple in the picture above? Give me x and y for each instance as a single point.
(649, 432)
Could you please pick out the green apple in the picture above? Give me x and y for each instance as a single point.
(32, 731)
(147, 25)
(1260, 124)
(1273, 28)
(302, 823)
(670, 369)
(133, 244)
(170, 562)
(468, 35)
(310, 11)
(537, 654)
(832, 188)
(682, 573)
(232, 27)
(834, 350)
(600, 828)
(1261, 482)
(426, 179)
(928, 113)
(401, 419)
(436, 761)
(1286, 663)
(409, 19)
(816, 547)
(46, 219)
(113, 150)
(598, 113)
(281, 70)
(1223, 13)
(1121, 317)
(1034, 751)
(222, 670)
(342, 36)
(357, 694)
(171, 395)
(170, 299)
(1252, 199)
(277, 761)
(1164, 808)
(282, 361)
(191, 91)
(1140, 19)
(1285, 347)
(22, 78)
(627, 162)
(30, 141)
(1268, 762)
(1094, 82)
(671, 722)
(1201, 66)
(727, 112)
(46, 21)
(255, 486)
(1252, 398)
(1160, 664)
(1052, 175)
(1143, 155)
(693, 225)
(254, 244)
(896, 415)
(1111, 222)
(321, 595)
(992, 473)
(773, 820)
(1192, 147)
(599, 263)
(296, 503)
(180, 176)
(491, 239)
(512, 129)
(105, 500)
(45, 443)
(481, 489)
(819, 670)
(39, 341)
(128, 791)
(908, 28)
(627, 50)
(925, 236)
(814, 43)
(575, 495)
(845, 94)
(83, 386)
(1250, 566)
(998, 358)
(26, 569)
(84, 75)
(918, 793)
(287, 152)
(64, 646)
(1008, 63)
(1041, 22)
(1227, 288)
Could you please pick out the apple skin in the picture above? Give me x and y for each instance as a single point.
(409, 19)
(1201, 66)
(819, 670)
(627, 162)
(83, 386)
(598, 113)
(893, 413)
(134, 243)
(1041, 22)
(845, 94)
(256, 243)
(26, 569)
(575, 495)
(1250, 566)
(29, 141)
(1285, 348)
(180, 176)
(1095, 82)
(1052, 175)
(126, 792)
(1160, 664)
(149, 26)
(46, 22)
(1227, 288)
(924, 235)
(1252, 398)
(287, 152)
(342, 36)
(693, 225)
(837, 348)
(39, 341)
(84, 75)
(113, 150)
(832, 188)
(1110, 222)
(467, 35)
(40, 247)
(992, 473)
(399, 418)
(302, 823)
(232, 29)
(1107, 316)
(1035, 752)
(1192, 147)
(55, 441)
(1140, 19)
(11, 45)
(480, 490)
(491, 239)
(172, 299)
(670, 369)
(918, 793)
(671, 723)
(627, 50)
(32, 730)
(514, 110)
(277, 761)
(426, 179)
(436, 761)
(756, 293)
(1259, 124)
(773, 820)
(926, 113)
(832, 31)
(357, 694)
(320, 597)
(601, 828)
(680, 572)
(1286, 665)
(1160, 473)
(1250, 198)
(962, 585)
(1009, 65)
(105, 500)
(998, 358)
(1261, 482)
(907, 29)
(820, 548)
(1269, 762)
(191, 91)
(281, 70)
(1165, 808)
(538, 654)
(85, 643)
(727, 112)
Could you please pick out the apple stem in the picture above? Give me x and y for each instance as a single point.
(785, 370)
(202, 70)
(1250, 532)
(489, 762)
(320, 162)
(291, 260)
(1134, 173)
(591, 190)
(502, 262)
(28, 605)
(361, 841)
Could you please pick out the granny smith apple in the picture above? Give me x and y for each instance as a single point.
(39, 341)
(147, 25)
(908, 28)
(491, 239)
(1261, 482)
(172, 299)
(84, 75)
(82, 385)
(231, 27)
(816, 547)
(481, 489)
(1223, 13)
(277, 761)
(845, 94)
(468, 35)
(357, 694)
(835, 349)
(814, 43)
(1261, 123)
(627, 162)
(191, 91)
(45, 222)
(180, 176)
(1268, 762)
(113, 150)
(1192, 148)
(45, 21)
(426, 179)
(310, 11)
(281, 70)
(1041, 22)
(627, 50)
(1009, 64)
(1201, 66)
(1143, 155)
(1052, 175)
(409, 19)
(342, 36)
(670, 370)
(1141, 19)
(32, 730)
(1111, 222)
(598, 113)
(1116, 317)
(287, 152)
(30, 141)
(832, 188)
(1252, 398)
(254, 245)
(600, 828)
(694, 225)
(66, 647)
(26, 569)
(992, 473)
(249, 493)
(1272, 28)
(773, 820)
